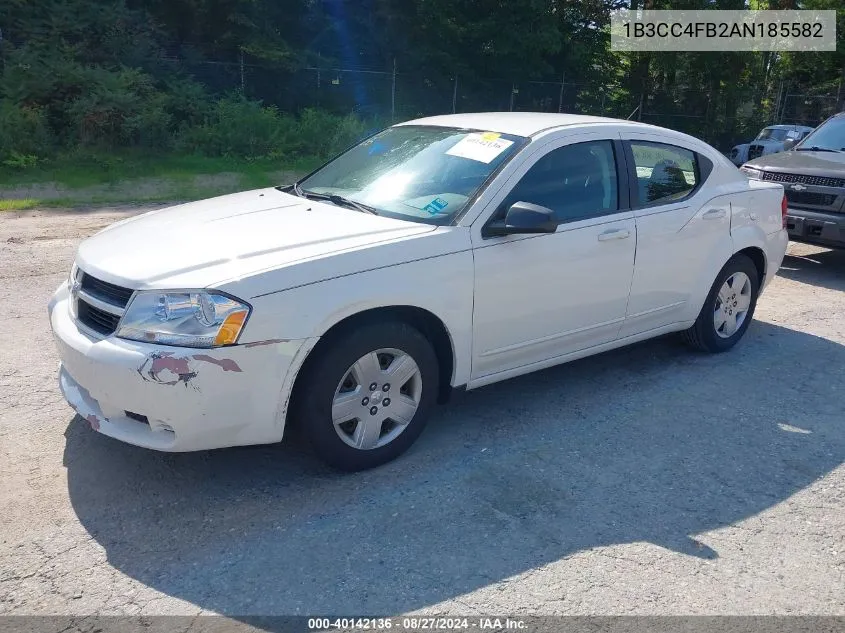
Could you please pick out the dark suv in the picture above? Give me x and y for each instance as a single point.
(813, 176)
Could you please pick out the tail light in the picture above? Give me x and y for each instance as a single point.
(783, 209)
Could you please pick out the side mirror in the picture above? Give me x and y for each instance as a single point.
(789, 143)
(524, 217)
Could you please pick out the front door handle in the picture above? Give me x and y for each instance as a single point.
(714, 214)
(614, 234)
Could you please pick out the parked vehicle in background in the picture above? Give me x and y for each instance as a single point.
(442, 253)
(813, 175)
(770, 140)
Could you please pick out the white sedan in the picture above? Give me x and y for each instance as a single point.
(443, 253)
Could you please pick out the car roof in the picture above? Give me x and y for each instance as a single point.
(518, 123)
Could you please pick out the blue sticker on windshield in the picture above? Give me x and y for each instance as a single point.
(436, 206)
(377, 148)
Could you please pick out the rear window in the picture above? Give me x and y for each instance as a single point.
(665, 173)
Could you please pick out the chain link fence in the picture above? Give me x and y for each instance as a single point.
(396, 94)
(807, 109)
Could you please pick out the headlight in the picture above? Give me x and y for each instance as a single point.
(751, 172)
(188, 318)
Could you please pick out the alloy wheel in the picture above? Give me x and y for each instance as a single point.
(377, 398)
(732, 304)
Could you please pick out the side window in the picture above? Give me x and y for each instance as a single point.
(664, 172)
(575, 181)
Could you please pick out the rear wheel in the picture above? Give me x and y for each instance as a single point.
(365, 399)
(728, 309)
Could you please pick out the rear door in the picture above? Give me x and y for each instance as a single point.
(681, 229)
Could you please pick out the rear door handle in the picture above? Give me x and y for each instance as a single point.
(714, 214)
(614, 234)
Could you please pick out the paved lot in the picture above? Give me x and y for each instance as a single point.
(647, 480)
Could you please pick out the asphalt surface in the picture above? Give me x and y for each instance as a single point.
(649, 480)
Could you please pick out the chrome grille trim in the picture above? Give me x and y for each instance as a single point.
(804, 179)
(98, 303)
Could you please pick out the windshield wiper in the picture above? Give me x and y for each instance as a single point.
(334, 199)
(816, 148)
(352, 204)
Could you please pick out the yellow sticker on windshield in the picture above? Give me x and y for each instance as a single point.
(480, 147)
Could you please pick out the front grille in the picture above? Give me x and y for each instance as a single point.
(104, 291)
(100, 304)
(818, 181)
(755, 151)
(98, 320)
(810, 197)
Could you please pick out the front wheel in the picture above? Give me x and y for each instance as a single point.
(728, 309)
(365, 399)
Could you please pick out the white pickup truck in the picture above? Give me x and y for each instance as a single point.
(770, 140)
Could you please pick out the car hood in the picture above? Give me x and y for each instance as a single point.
(203, 243)
(830, 164)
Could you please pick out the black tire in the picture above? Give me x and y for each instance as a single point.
(702, 335)
(319, 381)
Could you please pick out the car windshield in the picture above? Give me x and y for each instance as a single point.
(829, 136)
(770, 134)
(420, 173)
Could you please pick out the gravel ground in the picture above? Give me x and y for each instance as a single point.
(650, 480)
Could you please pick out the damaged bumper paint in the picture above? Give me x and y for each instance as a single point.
(175, 399)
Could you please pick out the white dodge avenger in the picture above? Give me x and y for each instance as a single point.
(442, 253)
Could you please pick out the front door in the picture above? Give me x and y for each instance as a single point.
(538, 297)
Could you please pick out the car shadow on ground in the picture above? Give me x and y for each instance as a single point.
(649, 443)
(823, 268)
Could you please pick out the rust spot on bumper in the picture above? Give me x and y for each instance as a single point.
(226, 364)
(157, 366)
(166, 369)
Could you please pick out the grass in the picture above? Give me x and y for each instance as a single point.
(19, 204)
(94, 179)
(91, 169)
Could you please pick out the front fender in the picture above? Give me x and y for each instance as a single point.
(441, 285)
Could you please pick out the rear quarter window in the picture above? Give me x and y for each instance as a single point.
(666, 173)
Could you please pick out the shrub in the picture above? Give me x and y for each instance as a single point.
(151, 125)
(241, 128)
(238, 127)
(127, 108)
(322, 134)
(186, 101)
(24, 135)
(106, 114)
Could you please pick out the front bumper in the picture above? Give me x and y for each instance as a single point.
(814, 227)
(192, 399)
